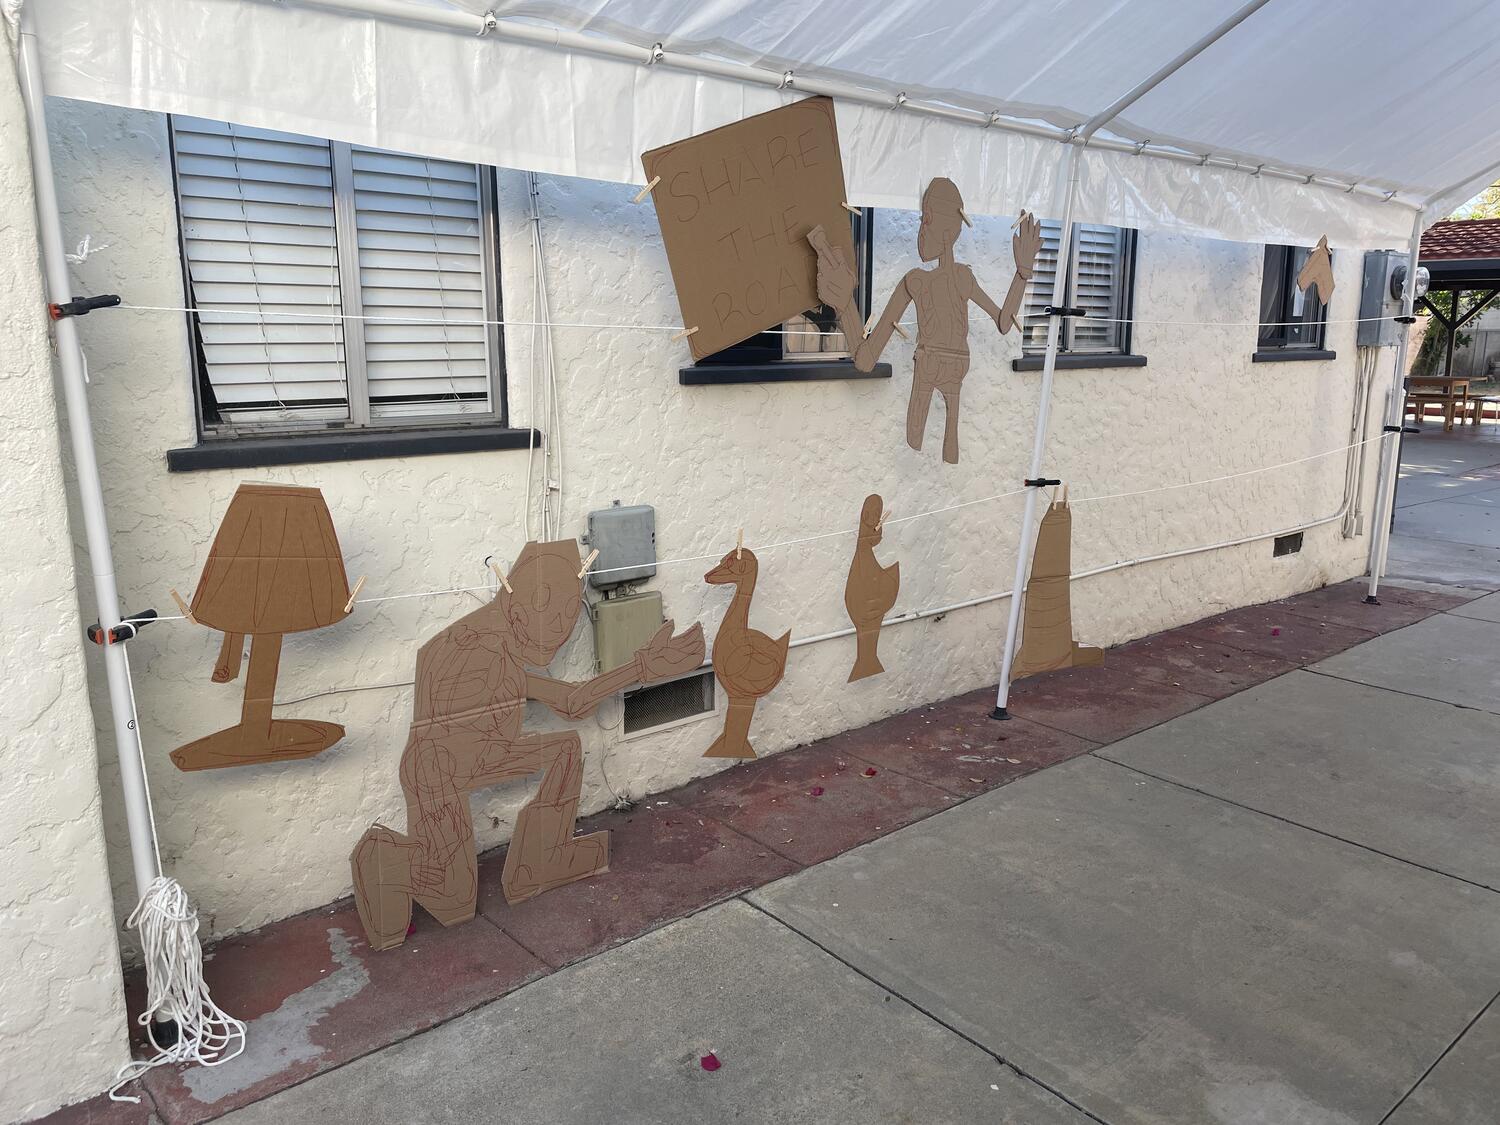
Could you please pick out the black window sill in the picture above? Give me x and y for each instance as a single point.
(1066, 362)
(782, 371)
(1291, 355)
(344, 445)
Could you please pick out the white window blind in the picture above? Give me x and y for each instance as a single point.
(336, 285)
(258, 234)
(1099, 278)
(421, 255)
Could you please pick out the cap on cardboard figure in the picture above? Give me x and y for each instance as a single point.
(1047, 625)
(941, 294)
(870, 590)
(274, 568)
(747, 663)
(473, 681)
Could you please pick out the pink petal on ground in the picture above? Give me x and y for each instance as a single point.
(871, 771)
(815, 791)
(710, 1061)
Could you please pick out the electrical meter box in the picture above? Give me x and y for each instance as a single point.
(1375, 301)
(624, 624)
(625, 537)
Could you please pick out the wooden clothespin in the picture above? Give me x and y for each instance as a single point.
(588, 562)
(739, 543)
(500, 574)
(685, 333)
(645, 191)
(1065, 493)
(847, 206)
(964, 215)
(884, 512)
(359, 584)
(182, 605)
(871, 323)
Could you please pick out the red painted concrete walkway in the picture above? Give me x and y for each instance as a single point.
(316, 997)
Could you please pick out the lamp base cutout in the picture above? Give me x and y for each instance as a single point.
(286, 740)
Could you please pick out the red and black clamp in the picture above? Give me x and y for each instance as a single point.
(124, 631)
(82, 306)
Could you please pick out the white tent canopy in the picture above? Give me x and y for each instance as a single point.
(1355, 111)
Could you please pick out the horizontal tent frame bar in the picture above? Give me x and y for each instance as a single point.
(558, 38)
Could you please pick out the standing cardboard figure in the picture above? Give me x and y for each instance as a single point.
(473, 681)
(1047, 642)
(747, 663)
(942, 297)
(870, 590)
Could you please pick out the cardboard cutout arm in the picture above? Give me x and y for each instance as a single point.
(231, 652)
(836, 283)
(1025, 244)
(663, 657)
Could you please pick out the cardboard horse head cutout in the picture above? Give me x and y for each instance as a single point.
(1316, 275)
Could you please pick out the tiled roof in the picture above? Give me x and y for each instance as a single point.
(1462, 238)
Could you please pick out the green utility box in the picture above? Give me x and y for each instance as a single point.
(624, 624)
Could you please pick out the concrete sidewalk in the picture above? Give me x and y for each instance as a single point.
(1447, 526)
(1282, 908)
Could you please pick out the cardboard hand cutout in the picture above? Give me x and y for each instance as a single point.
(1047, 624)
(274, 568)
(870, 591)
(941, 295)
(747, 663)
(473, 681)
(1317, 272)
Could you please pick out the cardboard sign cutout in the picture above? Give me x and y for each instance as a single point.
(870, 591)
(274, 568)
(1047, 638)
(473, 681)
(735, 205)
(1317, 272)
(942, 297)
(747, 663)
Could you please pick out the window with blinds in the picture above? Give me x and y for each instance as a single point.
(335, 285)
(1101, 280)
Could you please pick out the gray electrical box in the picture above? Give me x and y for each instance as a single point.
(1375, 300)
(625, 537)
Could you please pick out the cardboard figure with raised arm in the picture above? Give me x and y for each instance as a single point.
(942, 296)
(473, 681)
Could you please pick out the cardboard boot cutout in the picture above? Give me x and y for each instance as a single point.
(942, 296)
(1047, 624)
(473, 681)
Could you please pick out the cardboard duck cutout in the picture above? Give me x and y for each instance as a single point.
(1316, 273)
(870, 591)
(941, 295)
(1047, 623)
(473, 681)
(274, 568)
(747, 663)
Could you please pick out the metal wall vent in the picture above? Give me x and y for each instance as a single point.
(671, 702)
(1286, 545)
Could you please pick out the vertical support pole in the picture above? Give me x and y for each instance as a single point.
(1066, 191)
(1395, 416)
(90, 491)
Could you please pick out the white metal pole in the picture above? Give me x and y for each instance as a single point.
(1395, 418)
(91, 493)
(1067, 189)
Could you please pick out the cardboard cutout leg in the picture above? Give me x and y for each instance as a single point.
(381, 866)
(734, 740)
(950, 427)
(543, 851)
(917, 409)
(866, 656)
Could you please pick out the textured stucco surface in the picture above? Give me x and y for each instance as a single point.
(781, 461)
(62, 1012)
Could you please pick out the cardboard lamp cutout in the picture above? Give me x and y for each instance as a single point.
(1317, 272)
(942, 296)
(1047, 617)
(274, 568)
(469, 706)
(747, 663)
(735, 205)
(870, 591)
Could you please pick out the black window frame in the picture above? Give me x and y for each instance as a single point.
(1275, 337)
(1034, 358)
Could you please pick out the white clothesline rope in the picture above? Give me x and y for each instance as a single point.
(469, 322)
(490, 587)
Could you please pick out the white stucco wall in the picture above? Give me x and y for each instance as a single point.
(62, 1012)
(781, 461)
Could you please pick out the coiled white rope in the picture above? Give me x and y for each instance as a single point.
(175, 990)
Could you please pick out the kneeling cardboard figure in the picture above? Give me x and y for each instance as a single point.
(472, 684)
